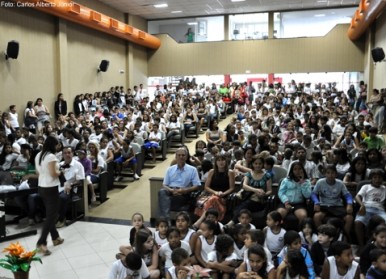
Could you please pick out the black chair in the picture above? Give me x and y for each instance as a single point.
(76, 203)
(101, 186)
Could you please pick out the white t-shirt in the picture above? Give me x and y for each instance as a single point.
(166, 252)
(119, 271)
(13, 120)
(372, 196)
(45, 178)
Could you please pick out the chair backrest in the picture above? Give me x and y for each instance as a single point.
(280, 173)
(6, 178)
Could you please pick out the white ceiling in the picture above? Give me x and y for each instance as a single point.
(191, 8)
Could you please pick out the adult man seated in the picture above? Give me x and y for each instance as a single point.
(179, 181)
(73, 175)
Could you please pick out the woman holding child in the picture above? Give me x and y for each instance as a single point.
(219, 184)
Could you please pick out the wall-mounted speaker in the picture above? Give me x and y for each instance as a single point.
(12, 50)
(378, 54)
(104, 65)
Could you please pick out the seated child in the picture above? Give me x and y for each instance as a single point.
(308, 233)
(320, 249)
(256, 265)
(211, 215)
(327, 197)
(205, 242)
(256, 237)
(154, 138)
(180, 259)
(244, 218)
(378, 267)
(132, 266)
(238, 233)
(165, 252)
(341, 263)
(293, 266)
(292, 241)
(379, 242)
(371, 198)
(222, 260)
(274, 234)
(161, 231)
(126, 159)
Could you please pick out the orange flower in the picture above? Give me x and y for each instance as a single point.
(27, 255)
(14, 249)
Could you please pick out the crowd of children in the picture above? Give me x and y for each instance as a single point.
(204, 250)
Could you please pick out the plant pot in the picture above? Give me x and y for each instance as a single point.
(21, 275)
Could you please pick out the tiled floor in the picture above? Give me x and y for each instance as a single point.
(88, 251)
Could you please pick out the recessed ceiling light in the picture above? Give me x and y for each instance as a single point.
(192, 23)
(176, 12)
(237, 0)
(319, 15)
(161, 5)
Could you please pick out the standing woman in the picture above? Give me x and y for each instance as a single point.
(60, 106)
(42, 113)
(30, 118)
(47, 167)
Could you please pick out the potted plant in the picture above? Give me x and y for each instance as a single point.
(18, 260)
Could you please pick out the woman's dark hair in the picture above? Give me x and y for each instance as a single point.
(259, 250)
(215, 168)
(291, 171)
(29, 104)
(141, 237)
(377, 152)
(212, 123)
(3, 155)
(296, 264)
(49, 146)
(59, 95)
(342, 153)
(353, 171)
(37, 100)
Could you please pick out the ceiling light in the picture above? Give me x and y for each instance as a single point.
(176, 12)
(161, 5)
(319, 15)
(237, 0)
(192, 23)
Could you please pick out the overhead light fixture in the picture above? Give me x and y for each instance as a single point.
(192, 23)
(319, 15)
(164, 5)
(237, 0)
(176, 12)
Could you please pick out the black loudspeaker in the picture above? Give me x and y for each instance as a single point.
(378, 54)
(12, 50)
(104, 66)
